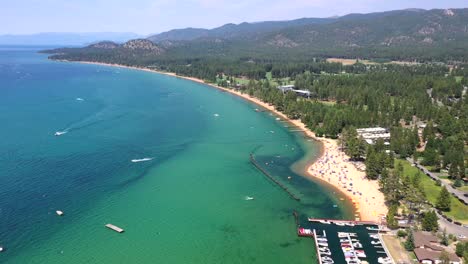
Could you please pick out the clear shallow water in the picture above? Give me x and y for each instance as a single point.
(186, 205)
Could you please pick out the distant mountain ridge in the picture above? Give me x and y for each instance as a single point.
(411, 34)
(234, 30)
(245, 29)
(66, 39)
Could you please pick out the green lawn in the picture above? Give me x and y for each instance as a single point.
(459, 211)
(458, 79)
(241, 81)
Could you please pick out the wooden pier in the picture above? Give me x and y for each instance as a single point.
(254, 162)
(343, 221)
(115, 228)
(317, 247)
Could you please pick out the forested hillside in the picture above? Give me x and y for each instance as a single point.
(409, 35)
(399, 35)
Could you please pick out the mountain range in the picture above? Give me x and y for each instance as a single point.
(411, 34)
(66, 39)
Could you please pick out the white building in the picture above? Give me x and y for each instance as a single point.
(286, 88)
(372, 134)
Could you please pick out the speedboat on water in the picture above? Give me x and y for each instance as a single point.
(357, 245)
(360, 253)
(59, 133)
(384, 260)
(248, 198)
(141, 160)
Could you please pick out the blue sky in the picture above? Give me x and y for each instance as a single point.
(154, 16)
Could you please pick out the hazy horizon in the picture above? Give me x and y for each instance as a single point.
(146, 17)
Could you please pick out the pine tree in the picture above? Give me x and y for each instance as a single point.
(444, 201)
(429, 221)
(445, 240)
(391, 221)
(461, 249)
(409, 244)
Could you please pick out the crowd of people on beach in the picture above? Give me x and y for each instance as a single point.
(335, 167)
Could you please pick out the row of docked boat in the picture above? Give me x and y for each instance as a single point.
(323, 250)
(329, 222)
(377, 243)
(352, 248)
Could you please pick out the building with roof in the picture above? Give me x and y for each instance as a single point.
(372, 134)
(433, 257)
(303, 93)
(428, 250)
(426, 240)
(286, 88)
(292, 88)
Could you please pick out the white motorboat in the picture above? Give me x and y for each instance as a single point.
(141, 160)
(59, 133)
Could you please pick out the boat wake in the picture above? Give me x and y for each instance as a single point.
(79, 99)
(141, 160)
(248, 198)
(104, 115)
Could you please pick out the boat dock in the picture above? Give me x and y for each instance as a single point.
(344, 241)
(316, 244)
(255, 163)
(348, 222)
(115, 228)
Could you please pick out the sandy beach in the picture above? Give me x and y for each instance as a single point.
(333, 167)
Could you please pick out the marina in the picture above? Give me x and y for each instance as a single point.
(345, 242)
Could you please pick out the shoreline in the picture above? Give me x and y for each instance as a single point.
(368, 206)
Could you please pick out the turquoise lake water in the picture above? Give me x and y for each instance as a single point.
(185, 205)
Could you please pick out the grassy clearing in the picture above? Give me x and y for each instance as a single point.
(330, 103)
(459, 211)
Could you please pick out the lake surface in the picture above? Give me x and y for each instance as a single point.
(186, 203)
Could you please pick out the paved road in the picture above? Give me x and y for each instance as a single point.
(457, 193)
(443, 223)
(451, 227)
